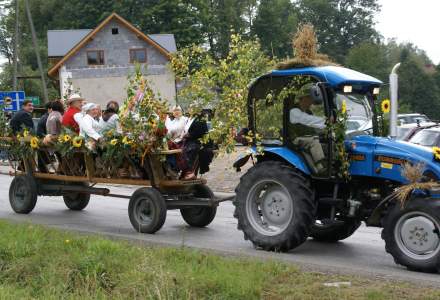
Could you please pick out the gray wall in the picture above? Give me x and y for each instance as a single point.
(116, 55)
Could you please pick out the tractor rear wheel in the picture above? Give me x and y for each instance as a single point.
(333, 231)
(412, 234)
(275, 206)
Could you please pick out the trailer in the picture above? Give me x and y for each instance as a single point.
(75, 179)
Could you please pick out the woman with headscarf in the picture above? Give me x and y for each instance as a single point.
(88, 127)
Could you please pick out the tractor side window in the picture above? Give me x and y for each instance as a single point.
(269, 119)
(269, 109)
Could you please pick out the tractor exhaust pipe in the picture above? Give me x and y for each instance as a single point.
(394, 88)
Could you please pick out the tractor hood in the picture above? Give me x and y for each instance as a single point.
(386, 157)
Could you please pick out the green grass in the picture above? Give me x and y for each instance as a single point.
(41, 263)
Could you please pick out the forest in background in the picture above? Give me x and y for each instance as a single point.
(345, 30)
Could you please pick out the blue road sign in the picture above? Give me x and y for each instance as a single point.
(12, 101)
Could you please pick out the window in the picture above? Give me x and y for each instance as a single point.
(138, 55)
(95, 57)
(115, 30)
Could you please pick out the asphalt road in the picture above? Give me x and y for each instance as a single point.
(361, 254)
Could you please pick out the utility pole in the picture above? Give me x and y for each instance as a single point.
(16, 47)
(34, 41)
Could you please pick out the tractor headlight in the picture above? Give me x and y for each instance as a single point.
(348, 88)
(376, 91)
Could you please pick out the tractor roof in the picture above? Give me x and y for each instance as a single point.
(335, 76)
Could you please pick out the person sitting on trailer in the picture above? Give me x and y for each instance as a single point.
(196, 127)
(89, 128)
(23, 118)
(110, 118)
(41, 126)
(54, 121)
(70, 118)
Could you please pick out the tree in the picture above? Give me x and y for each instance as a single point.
(275, 24)
(340, 24)
(371, 59)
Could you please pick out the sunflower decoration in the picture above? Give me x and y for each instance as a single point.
(386, 106)
(114, 142)
(25, 133)
(77, 142)
(66, 138)
(344, 107)
(127, 141)
(34, 142)
(436, 151)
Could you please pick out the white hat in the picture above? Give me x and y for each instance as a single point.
(88, 107)
(74, 97)
(177, 107)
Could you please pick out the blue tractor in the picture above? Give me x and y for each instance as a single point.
(291, 193)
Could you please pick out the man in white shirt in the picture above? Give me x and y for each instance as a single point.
(302, 114)
(305, 128)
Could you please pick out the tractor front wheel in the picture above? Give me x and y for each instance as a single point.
(275, 206)
(412, 234)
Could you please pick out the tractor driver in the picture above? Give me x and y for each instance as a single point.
(304, 128)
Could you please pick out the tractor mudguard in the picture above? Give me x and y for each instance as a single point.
(376, 216)
(241, 161)
(282, 153)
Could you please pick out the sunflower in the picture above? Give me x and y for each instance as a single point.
(344, 107)
(66, 138)
(113, 142)
(77, 142)
(34, 142)
(25, 133)
(127, 141)
(386, 106)
(436, 151)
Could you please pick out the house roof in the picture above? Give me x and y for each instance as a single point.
(59, 42)
(78, 38)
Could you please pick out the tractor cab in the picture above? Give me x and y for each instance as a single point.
(291, 111)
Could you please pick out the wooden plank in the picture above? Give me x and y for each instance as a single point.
(90, 165)
(167, 152)
(127, 181)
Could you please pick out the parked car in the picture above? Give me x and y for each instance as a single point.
(412, 118)
(428, 137)
(407, 131)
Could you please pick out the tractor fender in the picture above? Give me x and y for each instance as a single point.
(377, 214)
(287, 155)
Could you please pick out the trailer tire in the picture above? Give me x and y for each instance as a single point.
(331, 233)
(147, 210)
(275, 206)
(200, 216)
(418, 222)
(23, 194)
(77, 201)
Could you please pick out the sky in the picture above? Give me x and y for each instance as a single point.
(415, 21)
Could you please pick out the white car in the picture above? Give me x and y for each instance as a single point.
(412, 118)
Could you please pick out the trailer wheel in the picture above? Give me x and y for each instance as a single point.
(77, 201)
(147, 210)
(412, 234)
(23, 194)
(275, 206)
(331, 232)
(200, 216)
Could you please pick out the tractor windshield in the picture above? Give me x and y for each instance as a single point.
(360, 115)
